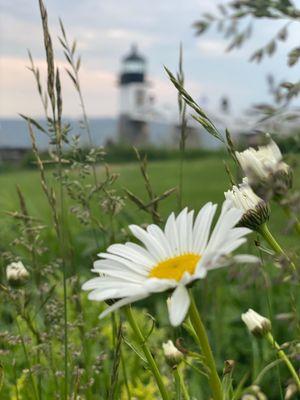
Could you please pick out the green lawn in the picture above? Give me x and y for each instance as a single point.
(204, 180)
(221, 298)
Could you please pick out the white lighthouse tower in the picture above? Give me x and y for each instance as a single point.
(135, 100)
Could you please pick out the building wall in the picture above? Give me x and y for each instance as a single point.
(134, 100)
(133, 132)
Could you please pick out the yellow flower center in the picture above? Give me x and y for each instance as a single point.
(175, 267)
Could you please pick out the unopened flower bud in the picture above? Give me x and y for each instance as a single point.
(266, 171)
(256, 210)
(254, 393)
(290, 391)
(228, 367)
(16, 273)
(172, 354)
(256, 323)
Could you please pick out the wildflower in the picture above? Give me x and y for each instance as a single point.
(290, 391)
(172, 354)
(256, 323)
(254, 393)
(265, 169)
(16, 273)
(169, 259)
(255, 210)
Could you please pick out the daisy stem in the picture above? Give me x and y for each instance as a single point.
(151, 362)
(214, 380)
(281, 354)
(181, 390)
(265, 232)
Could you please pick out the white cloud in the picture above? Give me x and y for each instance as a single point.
(211, 47)
(18, 86)
(105, 31)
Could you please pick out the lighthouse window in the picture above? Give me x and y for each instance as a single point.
(140, 97)
(133, 67)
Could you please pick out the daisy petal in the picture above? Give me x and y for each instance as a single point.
(172, 234)
(246, 259)
(121, 303)
(178, 305)
(150, 242)
(202, 227)
(155, 285)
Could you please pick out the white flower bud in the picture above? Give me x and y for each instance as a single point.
(265, 169)
(254, 393)
(172, 354)
(256, 323)
(290, 391)
(16, 273)
(256, 211)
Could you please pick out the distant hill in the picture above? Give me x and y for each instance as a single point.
(14, 133)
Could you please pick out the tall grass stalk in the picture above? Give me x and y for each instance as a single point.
(213, 377)
(34, 390)
(268, 286)
(69, 52)
(266, 233)
(294, 218)
(54, 93)
(281, 354)
(182, 127)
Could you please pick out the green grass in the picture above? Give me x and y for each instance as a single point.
(221, 298)
(204, 180)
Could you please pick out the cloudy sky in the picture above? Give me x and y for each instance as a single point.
(106, 29)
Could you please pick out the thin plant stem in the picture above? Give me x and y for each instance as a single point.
(28, 361)
(281, 354)
(125, 374)
(16, 381)
(181, 390)
(54, 93)
(297, 225)
(267, 368)
(182, 126)
(296, 221)
(151, 362)
(213, 377)
(177, 384)
(63, 248)
(75, 68)
(182, 156)
(265, 232)
(269, 303)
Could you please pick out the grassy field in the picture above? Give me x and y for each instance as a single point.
(222, 297)
(204, 180)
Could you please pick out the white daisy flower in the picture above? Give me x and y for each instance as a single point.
(255, 210)
(264, 166)
(167, 259)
